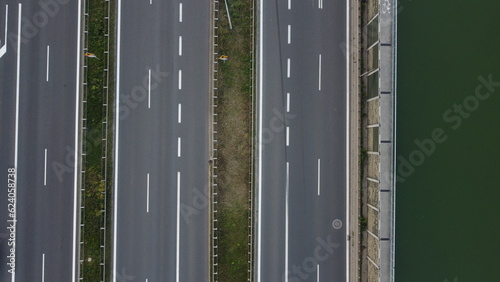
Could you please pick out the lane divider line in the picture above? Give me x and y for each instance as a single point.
(43, 267)
(180, 45)
(319, 176)
(45, 169)
(147, 193)
(289, 34)
(180, 79)
(48, 60)
(288, 67)
(319, 80)
(180, 12)
(179, 147)
(179, 113)
(317, 273)
(287, 135)
(287, 102)
(149, 90)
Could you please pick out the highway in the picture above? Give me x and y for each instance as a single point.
(161, 216)
(39, 87)
(301, 180)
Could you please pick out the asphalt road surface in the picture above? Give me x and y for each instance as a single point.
(161, 230)
(39, 87)
(302, 153)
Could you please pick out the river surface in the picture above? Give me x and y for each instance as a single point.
(448, 193)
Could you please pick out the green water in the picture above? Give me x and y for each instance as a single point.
(448, 208)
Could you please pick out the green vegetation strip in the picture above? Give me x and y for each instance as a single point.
(234, 112)
(93, 180)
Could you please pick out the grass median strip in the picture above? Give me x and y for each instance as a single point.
(234, 112)
(95, 139)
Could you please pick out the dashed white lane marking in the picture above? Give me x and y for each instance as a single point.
(147, 193)
(179, 145)
(43, 267)
(149, 90)
(287, 102)
(319, 81)
(319, 176)
(180, 79)
(288, 67)
(180, 45)
(287, 135)
(180, 12)
(179, 113)
(317, 273)
(289, 4)
(45, 169)
(48, 61)
(289, 34)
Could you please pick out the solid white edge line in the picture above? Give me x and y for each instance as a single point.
(319, 80)
(287, 191)
(177, 248)
(77, 151)
(179, 147)
(179, 113)
(289, 34)
(180, 45)
(260, 148)
(149, 90)
(16, 135)
(45, 169)
(117, 135)
(288, 67)
(147, 193)
(287, 102)
(180, 12)
(48, 60)
(43, 267)
(347, 136)
(180, 79)
(319, 176)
